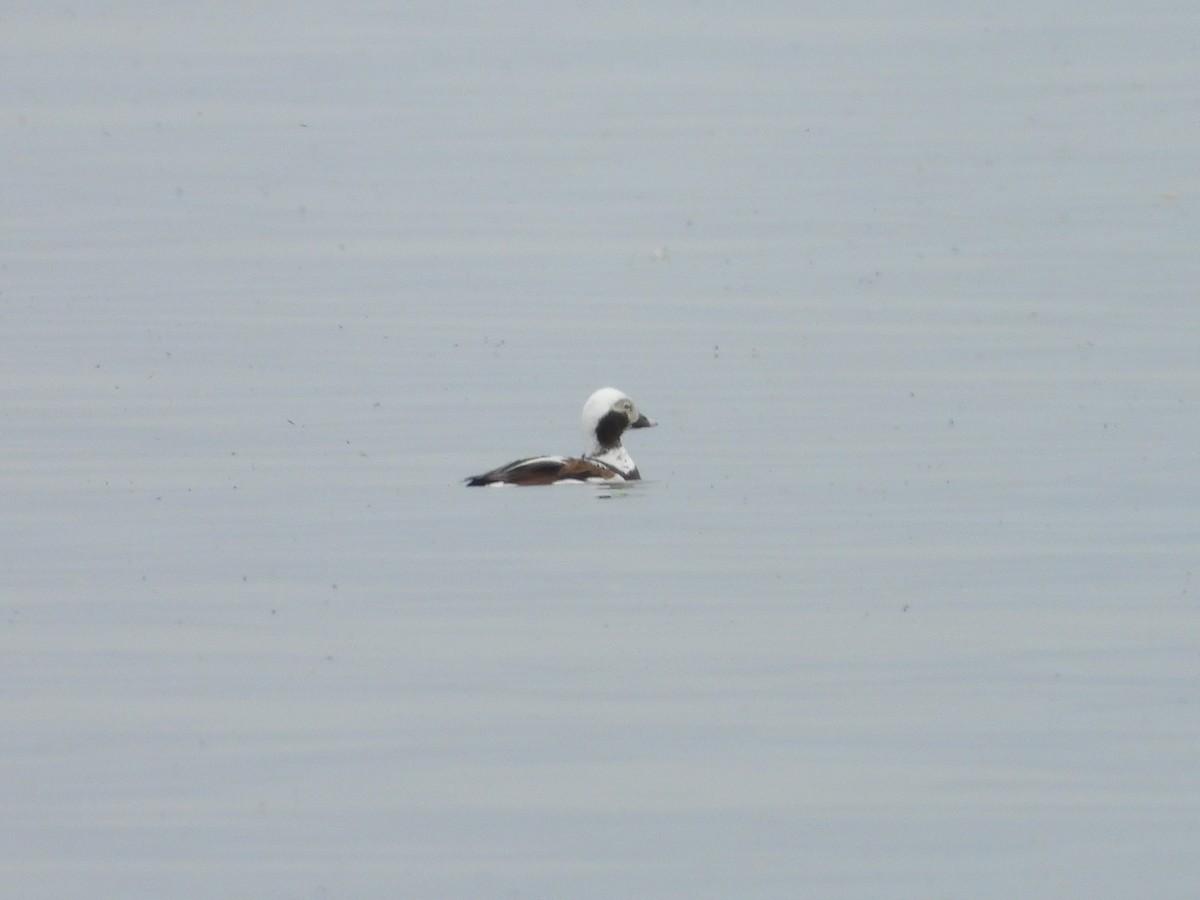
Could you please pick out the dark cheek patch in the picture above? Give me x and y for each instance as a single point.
(610, 428)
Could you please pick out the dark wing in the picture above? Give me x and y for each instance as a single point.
(543, 470)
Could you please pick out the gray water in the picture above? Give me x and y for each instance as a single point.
(906, 603)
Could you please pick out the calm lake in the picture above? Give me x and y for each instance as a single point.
(906, 605)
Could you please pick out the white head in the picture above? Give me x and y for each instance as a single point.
(606, 416)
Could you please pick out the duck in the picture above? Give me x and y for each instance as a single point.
(607, 415)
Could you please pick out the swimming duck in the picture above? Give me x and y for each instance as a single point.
(606, 416)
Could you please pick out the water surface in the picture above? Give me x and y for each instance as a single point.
(905, 606)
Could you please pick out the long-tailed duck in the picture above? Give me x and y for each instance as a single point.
(606, 415)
